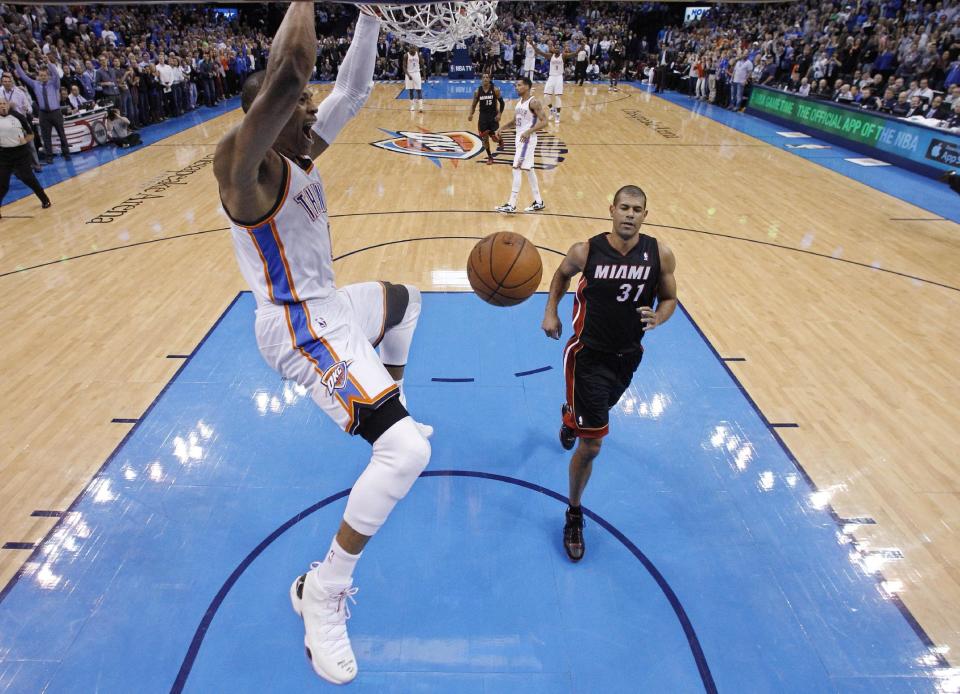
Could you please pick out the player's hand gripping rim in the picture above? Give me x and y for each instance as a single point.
(648, 317)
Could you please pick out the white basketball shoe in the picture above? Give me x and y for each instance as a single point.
(506, 208)
(325, 611)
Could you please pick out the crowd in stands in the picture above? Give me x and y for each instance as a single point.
(894, 57)
(149, 62)
(605, 35)
(154, 62)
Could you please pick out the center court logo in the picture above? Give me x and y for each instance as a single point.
(456, 145)
(335, 377)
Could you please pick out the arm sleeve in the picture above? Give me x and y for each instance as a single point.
(25, 78)
(354, 81)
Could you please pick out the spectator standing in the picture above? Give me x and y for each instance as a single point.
(178, 85)
(165, 76)
(47, 91)
(88, 80)
(741, 74)
(108, 77)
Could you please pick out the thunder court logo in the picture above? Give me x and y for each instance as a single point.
(453, 145)
(335, 377)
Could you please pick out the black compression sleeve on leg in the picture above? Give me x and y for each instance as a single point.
(398, 298)
(374, 422)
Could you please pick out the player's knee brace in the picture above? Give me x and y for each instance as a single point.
(402, 311)
(399, 456)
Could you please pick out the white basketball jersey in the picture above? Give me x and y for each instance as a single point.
(556, 66)
(523, 117)
(413, 64)
(288, 258)
(529, 56)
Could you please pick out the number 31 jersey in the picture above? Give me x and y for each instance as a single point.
(611, 289)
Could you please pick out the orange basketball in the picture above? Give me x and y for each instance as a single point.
(504, 269)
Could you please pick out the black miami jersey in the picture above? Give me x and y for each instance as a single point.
(611, 289)
(604, 352)
(487, 102)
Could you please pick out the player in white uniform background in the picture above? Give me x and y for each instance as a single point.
(412, 80)
(529, 119)
(529, 60)
(308, 330)
(553, 90)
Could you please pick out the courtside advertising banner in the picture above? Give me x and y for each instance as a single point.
(930, 147)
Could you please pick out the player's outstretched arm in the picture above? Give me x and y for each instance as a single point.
(572, 264)
(547, 53)
(666, 292)
(241, 154)
(353, 85)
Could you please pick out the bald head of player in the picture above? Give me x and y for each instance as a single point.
(628, 211)
(296, 138)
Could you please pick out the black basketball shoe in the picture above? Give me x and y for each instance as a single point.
(567, 437)
(573, 534)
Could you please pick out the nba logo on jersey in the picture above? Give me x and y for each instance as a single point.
(335, 377)
(435, 146)
(312, 200)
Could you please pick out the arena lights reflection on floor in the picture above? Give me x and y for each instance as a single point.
(779, 594)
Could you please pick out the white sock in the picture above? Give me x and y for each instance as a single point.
(337, 568)
(534, 186)
(515, 190)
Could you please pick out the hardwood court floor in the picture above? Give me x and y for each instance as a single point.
(845, 316)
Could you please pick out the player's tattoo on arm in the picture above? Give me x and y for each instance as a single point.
(541, 118)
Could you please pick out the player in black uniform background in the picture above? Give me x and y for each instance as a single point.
(491, 106)
(616, 66)
(624, 273)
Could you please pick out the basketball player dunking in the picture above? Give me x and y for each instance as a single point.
(308, 330)
(553, 89)
(488, 98)
(624, 273)
(412, 79)
(529, 119)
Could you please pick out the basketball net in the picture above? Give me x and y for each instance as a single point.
(439, 26)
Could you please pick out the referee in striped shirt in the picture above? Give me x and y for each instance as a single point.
(15, 137)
